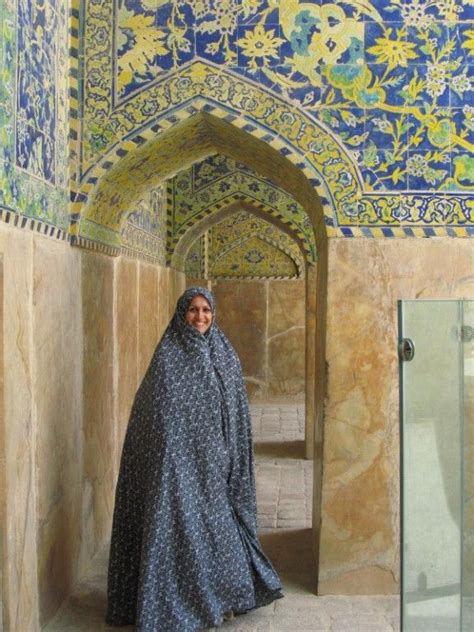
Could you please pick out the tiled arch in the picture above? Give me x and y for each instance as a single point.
(246, 107)
(179, 247)
(195, 135)
(267, 240)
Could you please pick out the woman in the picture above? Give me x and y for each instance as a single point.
(184, 545)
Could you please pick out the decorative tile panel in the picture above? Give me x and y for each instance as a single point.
(381, 113)
(217, 181)
(34, 126)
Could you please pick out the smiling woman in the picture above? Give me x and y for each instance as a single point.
(185, 551)
(199, 314)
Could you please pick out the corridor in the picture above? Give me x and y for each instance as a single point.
(284, 487)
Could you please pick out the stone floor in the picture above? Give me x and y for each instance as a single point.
(284, 482)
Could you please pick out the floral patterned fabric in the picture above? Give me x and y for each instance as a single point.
(184, 544)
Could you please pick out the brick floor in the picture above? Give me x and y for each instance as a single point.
(284, 491)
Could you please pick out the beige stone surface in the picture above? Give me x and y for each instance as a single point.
(241, 314)
(164, 300)
(265, 321)
(57, 389)
(310, 358)
(99, 424)
(360, 507)
(20, 591)
(126, 324)
(148, 320)
(286, 306)
(286, 362)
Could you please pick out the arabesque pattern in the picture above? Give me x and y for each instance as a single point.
(389, 82)
(243, 245)
(217, 181)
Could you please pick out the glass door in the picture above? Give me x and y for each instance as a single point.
(436, 460)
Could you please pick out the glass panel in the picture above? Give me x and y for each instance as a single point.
(467, 612)
(431, 387)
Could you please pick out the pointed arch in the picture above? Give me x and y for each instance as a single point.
(180, 249)
(265, 239)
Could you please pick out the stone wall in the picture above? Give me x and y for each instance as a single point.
(359, 540)
(79, 331)
(265, 321)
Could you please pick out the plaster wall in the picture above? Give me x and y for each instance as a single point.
(265, 321)
(359, 540)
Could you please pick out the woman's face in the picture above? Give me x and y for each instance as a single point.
(199, 314)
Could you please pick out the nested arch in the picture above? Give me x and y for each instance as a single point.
(155, 143)
(179, 250)
(263, 238)
(185, 143)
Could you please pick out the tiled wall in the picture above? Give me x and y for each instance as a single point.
(34, 125)
(243, 245)
(371, 99)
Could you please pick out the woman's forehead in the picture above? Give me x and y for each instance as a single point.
(199, 299)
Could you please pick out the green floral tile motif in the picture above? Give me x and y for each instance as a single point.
(402, 58)
(388, 90)
(245, 246)
(194, 265)
(254, 258)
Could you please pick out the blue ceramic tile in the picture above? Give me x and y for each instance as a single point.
(459, 35)
(261, 47)
(433, 84)
(390, 81)
(180, 51)
(466, 12)
(181, 14)
(461, 87)
(247, 14)
(341, 79)
(387, 11)
(376, 33)
(220, 49)
(463, 120)
(433, 45)
(36, 92)
(427, 170)
(434, 133)
(34, 151)
(384, 170)
(387, 130)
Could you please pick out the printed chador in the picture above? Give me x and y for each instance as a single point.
(184, 547)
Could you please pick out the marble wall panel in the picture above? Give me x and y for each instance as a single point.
(177, 287)
(247, 311)
(126, 322)
(286, 363)
(165, 301)
(286, 306)
(242, 315)
(57, 387)
(20, 563)
(360, 508)
(99, 424)
(148, 320)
